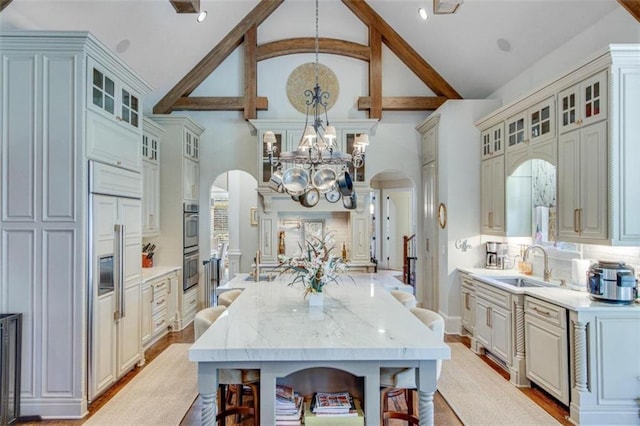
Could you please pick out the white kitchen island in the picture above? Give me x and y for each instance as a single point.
(359, 329)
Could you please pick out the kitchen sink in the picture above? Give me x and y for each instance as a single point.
(520, 282)
(269, 277)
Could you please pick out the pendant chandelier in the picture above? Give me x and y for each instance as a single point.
(316, 166)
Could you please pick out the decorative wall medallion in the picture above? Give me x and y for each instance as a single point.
(304, 78)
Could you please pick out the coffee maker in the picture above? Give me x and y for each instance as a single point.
(495, 255)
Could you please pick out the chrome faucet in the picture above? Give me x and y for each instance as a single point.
(547, 271)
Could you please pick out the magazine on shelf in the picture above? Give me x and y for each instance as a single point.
(290, 414)
(333, 403)
(351, 419)
(285, 394)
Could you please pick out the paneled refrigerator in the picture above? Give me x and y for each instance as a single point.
(115, 275)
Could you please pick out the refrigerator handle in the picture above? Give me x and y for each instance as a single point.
(119, 271)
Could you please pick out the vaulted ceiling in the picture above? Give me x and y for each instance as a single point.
(463, 49)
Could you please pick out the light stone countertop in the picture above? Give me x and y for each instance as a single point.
(570, 297)
(149, 274)
(385, 278)
(359, 320)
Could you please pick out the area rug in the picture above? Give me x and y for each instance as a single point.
(159, 395)
(480, 396)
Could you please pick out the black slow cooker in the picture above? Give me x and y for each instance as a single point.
(612, 282)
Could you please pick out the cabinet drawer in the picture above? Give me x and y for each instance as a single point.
(547, 312)
(159, 321)
(466, 282)
(190, 301)
(496, 296)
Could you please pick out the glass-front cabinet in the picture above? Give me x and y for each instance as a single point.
(112, 98)
(516, 130)
(583, 103)
(493, 141)
(357, 174)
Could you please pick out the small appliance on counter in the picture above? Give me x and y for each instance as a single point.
(612, 282)
(495, 255)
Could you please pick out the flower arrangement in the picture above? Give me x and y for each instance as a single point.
(314, 265)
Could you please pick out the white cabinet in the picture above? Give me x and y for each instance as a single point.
(114, 121)
(468, 304)
(360, 234)
(179, 180)
(191, 145)
(582, 185)
(151, 139)
(109, 96)
(191, 166)
(583, 103)
(159, 305)
(493, 319)
(189, 304)
(546, 344)
(493, 141)
(450, 186)
(492, 188)
(190, 180)
(49, 131)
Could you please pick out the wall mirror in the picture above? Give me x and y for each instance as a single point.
(531, 201)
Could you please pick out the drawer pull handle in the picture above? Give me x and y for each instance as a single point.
(158, 324)
(540, 311)
(160, 302)
(192, 301)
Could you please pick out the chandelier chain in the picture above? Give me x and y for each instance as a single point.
(317, 44)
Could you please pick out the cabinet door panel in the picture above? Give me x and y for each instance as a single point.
(501, 333)
(547, 357)
(593, 179)
(482, 328)
(568, 183)
(129, 336)
(146, 313)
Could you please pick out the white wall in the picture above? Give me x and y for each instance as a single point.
(616, 27)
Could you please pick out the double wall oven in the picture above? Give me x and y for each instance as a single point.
(190, 246)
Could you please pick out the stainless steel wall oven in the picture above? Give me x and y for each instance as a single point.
(190, 230)
(190, 268)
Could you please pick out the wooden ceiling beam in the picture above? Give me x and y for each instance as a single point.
(206, 103)
(307, 45)
(216, 56)
(404, 103)
(402, 49)
(3, 4)
(375, 73)
(186, 6)
(250, 73)
(632, 6)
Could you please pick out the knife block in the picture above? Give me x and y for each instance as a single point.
(146, 262)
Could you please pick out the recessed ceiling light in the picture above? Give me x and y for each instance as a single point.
(503, 45)
(422, 12)
(202, 16)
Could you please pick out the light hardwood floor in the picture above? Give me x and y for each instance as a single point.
(444, 415)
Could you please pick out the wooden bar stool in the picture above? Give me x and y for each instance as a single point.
(403, 380)
(230, 376)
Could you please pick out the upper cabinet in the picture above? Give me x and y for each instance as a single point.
(191, 145)
(151, 138)
(594, 146)
(114, 119)
(583, 103)
(493, 141)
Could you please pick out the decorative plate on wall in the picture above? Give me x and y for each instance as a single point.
(304, 78)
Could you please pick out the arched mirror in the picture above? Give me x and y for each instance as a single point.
(531, 201)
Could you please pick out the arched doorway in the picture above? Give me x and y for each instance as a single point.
(233, 235)
(392, 218)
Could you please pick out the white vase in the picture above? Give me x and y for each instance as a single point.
(315, 299)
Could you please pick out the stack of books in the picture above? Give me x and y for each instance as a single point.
(288, 406)
(333, 408)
